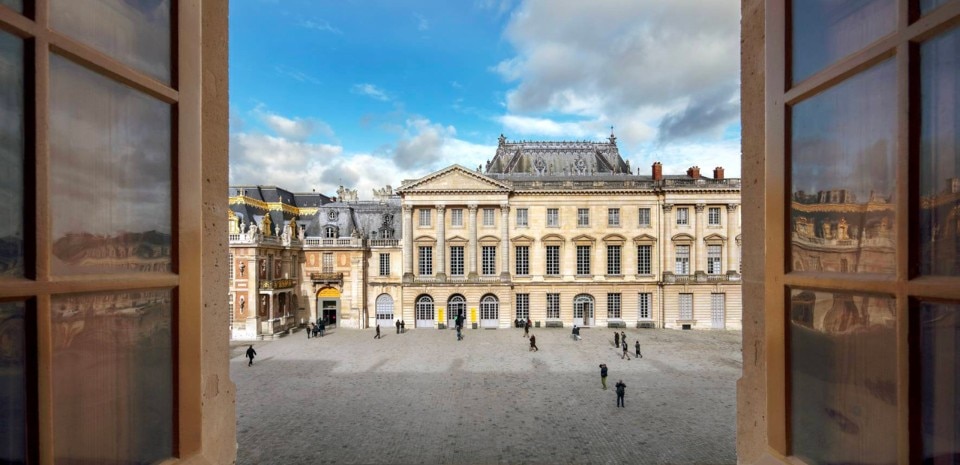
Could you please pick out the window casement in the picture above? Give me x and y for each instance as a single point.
(425, 260)
(230, 268)
(644, 300)
(523, 306)
(583, 217)
(613, 217)
(714, 259)
(682, 259)
(613, 260)
(713, 216)
(553, 260)
(456, 217)
(683, 218)
(644, 253)
(456, 260)
(384, 307)
(331, 232)
(644, 215)
(424, 218)
(384, 264)
(553, 217)
(553, 305)
(488, 260)
(583, 260)
(613, 306)
(230, 316)
(489, 216)
(423, 308)
(686, 306)
(522, 258)
(521, 217)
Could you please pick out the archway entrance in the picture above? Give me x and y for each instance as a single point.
(385, 311)
(583, 310)
(489, 311)
(424, 312)
(328, 306)
(457, 305)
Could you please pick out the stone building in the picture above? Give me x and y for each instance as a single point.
(561, 233)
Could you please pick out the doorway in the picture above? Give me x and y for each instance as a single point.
(583, 310)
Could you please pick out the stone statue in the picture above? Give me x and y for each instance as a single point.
(842, 230)
(243, 303)
(266, 225)
(253, 230)
(243, 267)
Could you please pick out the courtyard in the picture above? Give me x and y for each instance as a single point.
(424, 397)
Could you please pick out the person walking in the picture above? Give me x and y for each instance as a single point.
(526, 329)
(637, 345)
(623, 337)
(621, 389)
(323, 326)
(309, 330)
(533, 343)
(616, 339)
(603, 375)
(378, 332)
(576, 333)
(316, 330)
(250, 354)
(459, 333)
(625, 347)
(398, 326)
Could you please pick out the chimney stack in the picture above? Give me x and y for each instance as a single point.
(694, 172)
(657, 171)
(718, 172)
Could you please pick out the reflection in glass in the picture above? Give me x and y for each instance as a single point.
(13, 383)
(843, 166)
(927, 5)
(940, 382)
(843, 392)
(110, 174)
(825, 31)
(112, 377)
(11, 156)
(15, 5)
(136, 33)
(939, 186)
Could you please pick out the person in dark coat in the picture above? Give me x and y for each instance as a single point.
(250, 354)
(621, 389)
(309, 330)
(398, 326)
(315, 328)
(625, 347)
(637, 345)
(533, 343)
(459, 333)
(403, 327)
(526, 329)
(616, 339)
(378, 332)
(603, 375)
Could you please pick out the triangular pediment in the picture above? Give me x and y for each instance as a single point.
(644, 238)
(522, 240)
(454, 178)
(715, 238)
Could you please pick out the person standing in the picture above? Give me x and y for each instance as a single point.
(398, 326)
(621, 389)
(533, 343)
(323, 326)
(625, 347)
(603, 375)
(459, 333)
(403, 327)
(250, 354)
(616, 339)
(526, 329)
(309, 330)
(637, 345)
(378, 332)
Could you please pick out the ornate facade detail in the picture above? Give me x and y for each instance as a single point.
(699, 207)
(667, 207)
(732, 207)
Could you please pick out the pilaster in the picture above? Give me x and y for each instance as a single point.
(441, 263)
(504, 242)
(472, 240)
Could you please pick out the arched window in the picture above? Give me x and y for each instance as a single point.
(331, 232)
(456, 305)
(424, 308)
(384, 307)
(489, 309)
(583, 309)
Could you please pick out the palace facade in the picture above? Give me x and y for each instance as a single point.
(561, 233)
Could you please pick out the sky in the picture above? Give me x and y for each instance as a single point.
(367, 93)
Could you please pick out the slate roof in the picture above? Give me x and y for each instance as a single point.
(563, 158)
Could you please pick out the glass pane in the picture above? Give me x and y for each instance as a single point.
(110, 174)
(843, 146)
(940, 155)
(928, 5)
(112, 377)
(940, 382)
(11, 156)
(136, 33)
(825, 31)
(13, 383)
(15, 5)
(843, 378)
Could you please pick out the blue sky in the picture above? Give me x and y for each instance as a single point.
(366, 93)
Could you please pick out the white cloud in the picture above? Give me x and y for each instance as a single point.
(371, 91)
(319, 25)
(422, 23)
(295, 74)
(298, 129)
(425, 146)
(676, 158)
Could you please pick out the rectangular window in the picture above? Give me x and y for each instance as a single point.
(270, 269)
(682, 216)
(583, 260)
(713, 216)
(424, 217)
(686, 306)
(613, 217)
(456, 217)
(522, 255)
(327, 265)
(489, 260)
(714, 259)
(718, 304)
(553, 217)
(553, 260)
(644, 300)
(613, 260)
(488, 217)
(523, 306)
(553, 305)
(14, 381)
(939, 347)
(384, 264)
(425, 263)
(456, 260)
(644, 218)
(643, 259)
(682, 260)
(583, 217)
(613, 306)
(230, 272)
(521, 217)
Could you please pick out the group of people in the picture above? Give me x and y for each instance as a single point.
(533, 339)
(315, 329)
(621, 387)
(620, 340)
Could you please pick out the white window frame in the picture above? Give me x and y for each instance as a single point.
(456, 217)
(682, 259)
(384, 264)
(683, 216)
(425, 260)
(583, 260)
(523, 306)
(685, 304)
(489, 307)
(644, 305)
(424, 307)
(552, 260)
(613, 217)
(489, 217)
(583, 217)
(713, 216)
(643, 216)
(384, 306)
(522, 257)
(553, 305)
(614, 300)
(553, 217)
(614, 267)
(424, 218)
(488, 260)
(327, 262)
(714, 259)
(644, 259)
(522, 218)
(456, 260)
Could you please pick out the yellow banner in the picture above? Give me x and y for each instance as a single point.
(473, 314)
(440, 314)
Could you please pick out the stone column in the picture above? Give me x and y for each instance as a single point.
(666, 242)
(472, 243)
(407, 242)
(441, 269)
(356, 297)
(698, 249)
(504, 241)
(731, 237)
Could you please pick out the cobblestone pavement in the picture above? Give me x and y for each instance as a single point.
(425, 398)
